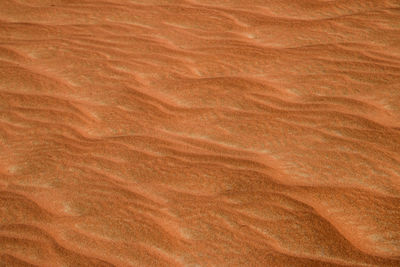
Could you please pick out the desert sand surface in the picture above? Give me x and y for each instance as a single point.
(199, 133)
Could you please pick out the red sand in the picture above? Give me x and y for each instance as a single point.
(199, 133)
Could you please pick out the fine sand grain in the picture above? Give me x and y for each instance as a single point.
(199, 133)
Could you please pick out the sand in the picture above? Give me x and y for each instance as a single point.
(199, 133)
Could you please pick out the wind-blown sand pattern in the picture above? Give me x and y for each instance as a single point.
(199, 133)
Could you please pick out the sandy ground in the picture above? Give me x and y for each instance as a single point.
(199, 133)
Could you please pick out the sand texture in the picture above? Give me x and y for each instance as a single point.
(199, 133)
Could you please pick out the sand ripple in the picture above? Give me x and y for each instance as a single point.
(199, 133)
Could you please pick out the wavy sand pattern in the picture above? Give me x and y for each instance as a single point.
(199, 133)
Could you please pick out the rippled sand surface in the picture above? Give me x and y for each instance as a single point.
(199, 133)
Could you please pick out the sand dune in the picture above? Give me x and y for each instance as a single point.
(199, 133)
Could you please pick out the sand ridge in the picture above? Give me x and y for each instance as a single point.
(199, 133)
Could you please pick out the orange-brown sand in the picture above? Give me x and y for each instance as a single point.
(199, 133)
